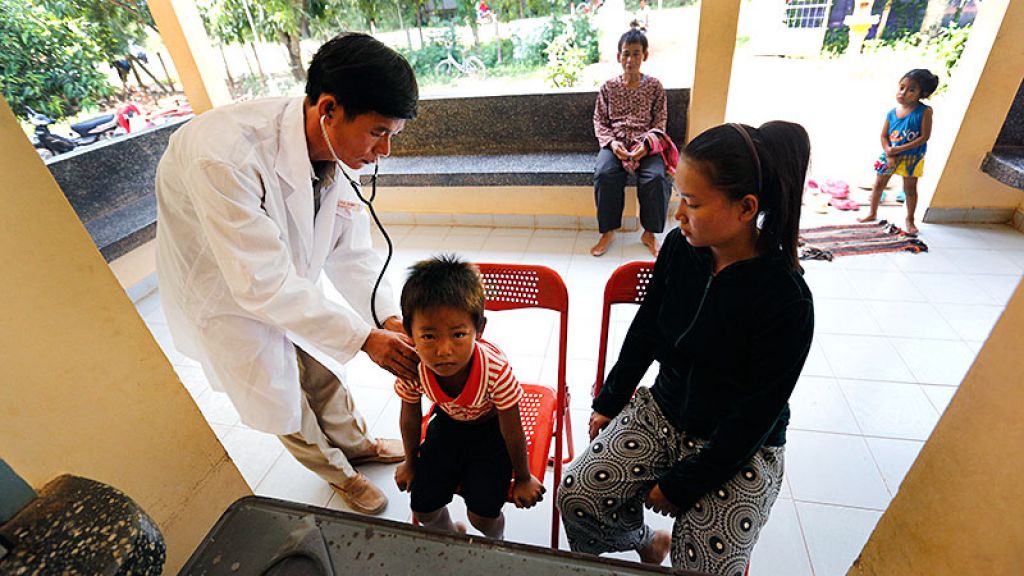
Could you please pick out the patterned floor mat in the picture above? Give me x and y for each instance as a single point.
(828, 242)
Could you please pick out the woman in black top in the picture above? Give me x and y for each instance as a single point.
(729, 319)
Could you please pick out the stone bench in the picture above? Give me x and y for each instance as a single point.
(502, 159)
(110, 185)
(1005, 162)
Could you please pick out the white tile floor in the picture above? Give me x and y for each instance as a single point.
(895, 334)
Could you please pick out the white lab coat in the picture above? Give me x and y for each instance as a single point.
(239, 256)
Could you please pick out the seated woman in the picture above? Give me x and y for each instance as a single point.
(628, 108)
(729, 318)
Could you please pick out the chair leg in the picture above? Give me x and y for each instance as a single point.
(568, 432)
(570, 453)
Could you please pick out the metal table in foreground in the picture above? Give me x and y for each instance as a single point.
(257, 536)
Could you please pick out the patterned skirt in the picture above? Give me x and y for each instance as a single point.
(602, 494)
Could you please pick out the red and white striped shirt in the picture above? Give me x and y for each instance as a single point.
(490, 383)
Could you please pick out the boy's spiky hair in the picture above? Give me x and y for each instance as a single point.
(443, 280)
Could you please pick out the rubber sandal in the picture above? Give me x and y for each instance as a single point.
(836, 188)
(844, 204)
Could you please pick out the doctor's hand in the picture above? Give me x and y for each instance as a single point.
(392, 352)
(394, 323)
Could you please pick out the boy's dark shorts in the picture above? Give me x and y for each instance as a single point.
(470, 456)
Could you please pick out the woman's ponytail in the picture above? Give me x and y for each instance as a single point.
(786, 152)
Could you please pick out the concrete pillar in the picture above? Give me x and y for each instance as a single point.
(194, 58)
(959, 508)
(716, 42)
(86, 389)
(981, 93)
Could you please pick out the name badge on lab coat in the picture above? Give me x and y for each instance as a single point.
(348, 209)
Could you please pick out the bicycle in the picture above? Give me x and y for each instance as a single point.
(471, 66)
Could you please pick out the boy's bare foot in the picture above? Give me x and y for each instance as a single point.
(460, 527)
(657, 550)
(602, 245)
(648, 239)
(869, 218)
(911, 228)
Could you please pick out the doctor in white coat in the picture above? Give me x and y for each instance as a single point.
(254, 201)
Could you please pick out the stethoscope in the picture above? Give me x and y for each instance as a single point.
(369, 204)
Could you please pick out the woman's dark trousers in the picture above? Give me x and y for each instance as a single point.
(653, 189)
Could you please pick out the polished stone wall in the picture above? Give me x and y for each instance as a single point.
(111, 187)
(1012, 133)
(516, 124)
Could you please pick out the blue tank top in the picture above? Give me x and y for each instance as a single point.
(903, 130)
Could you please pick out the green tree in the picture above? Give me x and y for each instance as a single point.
(115, 23)
(49, 62)
(287, 21)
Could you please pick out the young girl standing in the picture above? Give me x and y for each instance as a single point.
(904, 141)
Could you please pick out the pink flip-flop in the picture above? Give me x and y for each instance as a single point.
(836, 188)
(844, 204)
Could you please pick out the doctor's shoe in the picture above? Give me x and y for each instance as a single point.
(388, 451)
(361, 495)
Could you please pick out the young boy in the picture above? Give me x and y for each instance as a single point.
(475, 439)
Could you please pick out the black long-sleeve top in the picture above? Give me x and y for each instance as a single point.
(730, 346)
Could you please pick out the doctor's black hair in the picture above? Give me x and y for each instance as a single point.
(364, 75)
(443, 280)
(925, 80)
(783, 150)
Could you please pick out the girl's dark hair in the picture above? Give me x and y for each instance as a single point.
(633, 37)
(443, 280)
(725, 158)
(925, 79)
(364, 75)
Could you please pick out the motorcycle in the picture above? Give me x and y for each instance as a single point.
(88, 132)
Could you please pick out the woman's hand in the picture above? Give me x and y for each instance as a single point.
(657, 501)
(638, 152)
(597, 422)
(619, 149)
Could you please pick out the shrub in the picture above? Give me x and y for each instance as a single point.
(48, 63)
(837, 40)
(585, 36)
(565, 62)
(488, 52)
(425, 59)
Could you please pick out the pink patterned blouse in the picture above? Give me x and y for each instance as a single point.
(626, 114)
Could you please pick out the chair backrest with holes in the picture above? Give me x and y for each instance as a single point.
(627, 285)
(513, 286)
(518, 286)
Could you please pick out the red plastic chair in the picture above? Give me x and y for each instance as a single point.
(544, 411)
(627, 285)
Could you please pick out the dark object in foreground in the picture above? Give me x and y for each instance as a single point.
(258, 536)
(80, 526)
